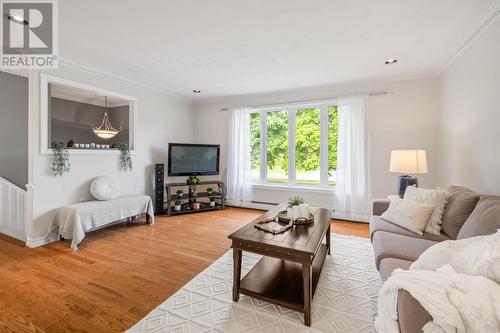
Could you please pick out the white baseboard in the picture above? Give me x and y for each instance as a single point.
(36, 242)
(12, 234)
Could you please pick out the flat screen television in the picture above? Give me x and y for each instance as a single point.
(186, 159)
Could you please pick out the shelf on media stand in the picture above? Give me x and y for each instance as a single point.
(191, 196)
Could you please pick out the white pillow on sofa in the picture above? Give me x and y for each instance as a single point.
(105, 188)
(436, 197)
(408, 214)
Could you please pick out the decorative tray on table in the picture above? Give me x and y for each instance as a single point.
(283, 217)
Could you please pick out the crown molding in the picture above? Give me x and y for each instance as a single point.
(492, 14)
(333, 85)
(130, 82)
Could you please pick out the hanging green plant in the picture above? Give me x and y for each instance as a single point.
(59, 164)
(125, 159)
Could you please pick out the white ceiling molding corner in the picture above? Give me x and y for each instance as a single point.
(488, 19)
(124, 80)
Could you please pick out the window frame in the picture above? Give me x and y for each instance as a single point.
(292, 137)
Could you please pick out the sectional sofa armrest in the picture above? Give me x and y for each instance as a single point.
(379, 206)
(412, 316)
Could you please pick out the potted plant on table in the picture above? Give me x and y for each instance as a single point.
(295, 201)
(293, 210)
(180, 193)
(212, 202)
(177, 205)
(210, 191)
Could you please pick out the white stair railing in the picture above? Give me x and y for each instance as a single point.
(13, 210)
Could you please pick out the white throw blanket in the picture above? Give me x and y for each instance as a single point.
(72, 222)
(455, 282)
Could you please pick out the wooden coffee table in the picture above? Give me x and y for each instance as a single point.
(289, 270)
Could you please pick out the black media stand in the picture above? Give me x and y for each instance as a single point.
(192, 196)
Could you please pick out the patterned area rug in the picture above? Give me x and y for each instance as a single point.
(345, 299)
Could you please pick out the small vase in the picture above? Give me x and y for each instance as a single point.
(304, 210)
(295, 212)
(212, 203)
(178, 207)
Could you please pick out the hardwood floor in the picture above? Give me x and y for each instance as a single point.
(119, 275)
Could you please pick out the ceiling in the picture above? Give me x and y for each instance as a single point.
(85, 96)
(229, 47)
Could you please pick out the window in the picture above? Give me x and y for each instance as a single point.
(277, 147)
(307, 147)
(295, 146)
(255, 146)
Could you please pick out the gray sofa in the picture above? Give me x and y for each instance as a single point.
(467, 214)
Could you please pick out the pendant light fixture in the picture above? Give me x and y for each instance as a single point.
(106, 130)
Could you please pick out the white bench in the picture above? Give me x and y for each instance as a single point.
(74, 221)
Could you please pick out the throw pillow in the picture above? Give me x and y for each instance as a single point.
(409, 215)
(105, 188)
(461, 203)
(435, 197)
(484, 219)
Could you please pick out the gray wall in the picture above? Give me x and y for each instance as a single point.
(14, 128)
(73, 120)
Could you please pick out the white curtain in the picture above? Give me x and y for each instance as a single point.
(238, 165)
(353, 170)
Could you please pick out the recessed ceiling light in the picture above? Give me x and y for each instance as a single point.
(197, 91)
(391, 61)
(17, 19)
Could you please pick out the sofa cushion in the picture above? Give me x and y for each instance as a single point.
(461, 203)
(484, 219)
(379, 224)
(388, 265)
(391, 245)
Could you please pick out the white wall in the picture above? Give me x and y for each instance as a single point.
(161, 119)
(470, 119)
(405, 119)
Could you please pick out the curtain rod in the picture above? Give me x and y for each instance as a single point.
(374, 93)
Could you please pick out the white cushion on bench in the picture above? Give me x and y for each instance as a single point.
(72, 222)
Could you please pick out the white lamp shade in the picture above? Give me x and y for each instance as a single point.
(408, 161)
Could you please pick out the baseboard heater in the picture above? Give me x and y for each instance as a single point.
(265, 203)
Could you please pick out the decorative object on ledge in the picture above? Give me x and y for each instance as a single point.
(59, 163)
(180, 193)
(105, 130)
(125, 159)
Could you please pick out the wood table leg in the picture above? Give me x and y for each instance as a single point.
(307, 281)
(236, 274)
(328, 237)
